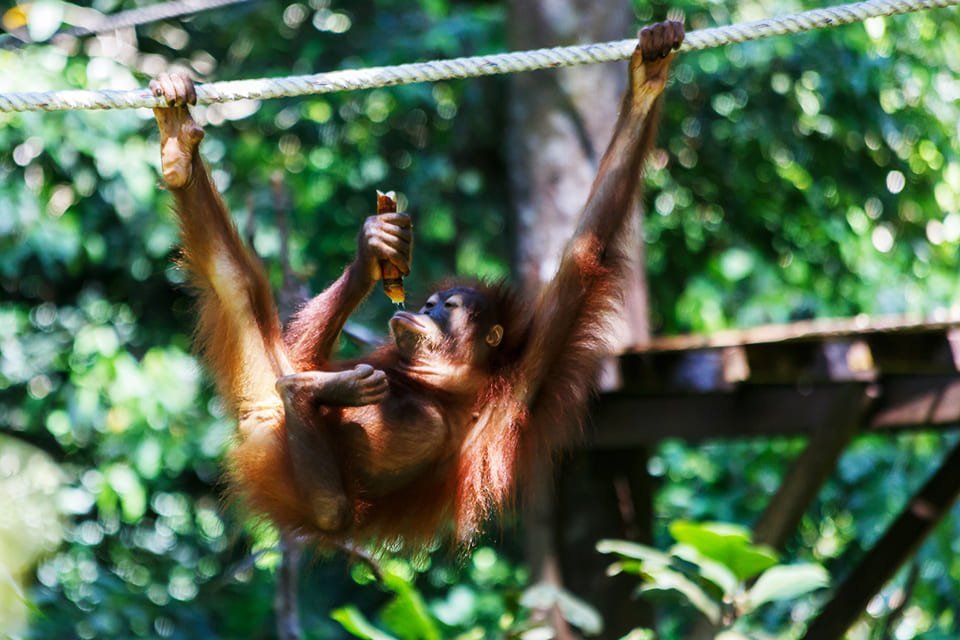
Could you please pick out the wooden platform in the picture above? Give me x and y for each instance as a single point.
(882, 373)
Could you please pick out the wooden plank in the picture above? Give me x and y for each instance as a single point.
(895, 547)
(807, 330)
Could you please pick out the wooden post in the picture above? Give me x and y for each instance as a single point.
(897, 545)
(606, 494)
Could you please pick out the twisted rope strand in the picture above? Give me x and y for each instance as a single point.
(353, 79)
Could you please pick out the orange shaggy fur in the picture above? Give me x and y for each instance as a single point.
(532, 393)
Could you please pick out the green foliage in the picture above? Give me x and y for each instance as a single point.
(490, 601)
(716, 569)
(807, 176)
(405, 614)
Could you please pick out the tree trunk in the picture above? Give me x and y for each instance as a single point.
(561, 121)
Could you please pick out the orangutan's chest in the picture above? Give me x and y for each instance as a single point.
(393, 441)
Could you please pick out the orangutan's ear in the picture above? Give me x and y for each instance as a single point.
(494, 336)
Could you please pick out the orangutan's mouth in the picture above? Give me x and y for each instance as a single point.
(404, 321)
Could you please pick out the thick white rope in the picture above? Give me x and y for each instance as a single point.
(352, 79)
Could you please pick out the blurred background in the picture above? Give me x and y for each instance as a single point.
(798, 177)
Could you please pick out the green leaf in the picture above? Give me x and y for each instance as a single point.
(540, 596)
(748, 562)
(663, 579)
(634, 567)
(579, 613)
(544, 596)
(539, 632)
(730, 634)
(637, 557)
(707, 536)
(407, 614)
(634, 550)
(787, 582)
(357, 625)
(716, 572)
(727, 544)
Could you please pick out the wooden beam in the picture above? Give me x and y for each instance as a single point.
(810, 471)
(626, 420)
(898, 402)
(897, 545)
